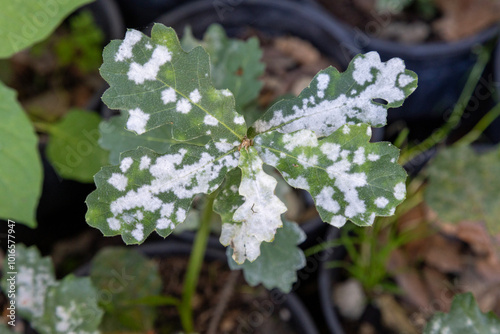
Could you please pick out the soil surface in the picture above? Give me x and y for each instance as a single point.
(443, 20)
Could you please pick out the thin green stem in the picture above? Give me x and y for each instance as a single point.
(194, 266)
(456, 115)
(42, 127)
(479, 128)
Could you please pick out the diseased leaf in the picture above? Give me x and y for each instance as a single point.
(348, 177)
(73, 148)
(257, 219)
(464, 317)
(464, 186)
(23, 23)
(34, 276)
(279, 260)
(229, 199)
(149, 191)
(334, 99)
(158, 83)
(70, 307)
(124, 276)
(20, 165)
(116, 139)
(235, 63)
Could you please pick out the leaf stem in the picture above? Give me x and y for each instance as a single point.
(194, 265)
(456, 115)
(43, 127)
(479, 128)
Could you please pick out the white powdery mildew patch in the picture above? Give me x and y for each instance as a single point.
(223, 145)
(168, 95)
(308, 161)
(114, 223)
(119, 181)
(195, 96)
(332, 151)
(239, 120)
(132, 37)
(260, 214)
(346, 130)
(149, 46)
(325, 200)
(338, 221)
(302, 138)
(140, 73)
(323, 81)
(299, 182)
(400, 191)
(381, 202)
(269, 157)
(31, 288)
(125, 164)
(67, 318)
(137, 121)
(164, 223)
(373, 157)
(183, 106)
(326, 116)
(138, 232)
(227, 92)
(145, 162)
(404, 80)
(171, 175)
(210, 120)
(359, 156)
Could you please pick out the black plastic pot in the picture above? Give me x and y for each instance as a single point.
(61, 208)
(442, 68)
(299, 316)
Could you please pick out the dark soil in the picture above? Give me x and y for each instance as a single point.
(241, 309)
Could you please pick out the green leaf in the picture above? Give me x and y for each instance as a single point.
(235, 63)
(464, 317)
(258, 218)
(348, 177)
(124, 276)
(34, 276)
(73, 148)
(228, 199)
(279, 260)
(158, 83)
(70, 307)
(23, 23)
(20, 165)
(464, 186)
(334, 99)
(149, 191)
(116, 139)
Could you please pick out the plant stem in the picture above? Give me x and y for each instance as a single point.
(479, 128)
(456, 115)
(194, 266)
(43, 127)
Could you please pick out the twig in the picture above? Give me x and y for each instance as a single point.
(224, 298)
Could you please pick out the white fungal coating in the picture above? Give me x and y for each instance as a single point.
(381, 202)
(119, 181)
(195, 96)
(149, 71)
(114, 223)
(326, 115)
(325, 200)
(145, 161)
(132, 37)
(260, 214)
(300, 138)
(400, 191)
(373, 157)
(168, 95)
(125, 164)
(183, 106)
(210, 120)
(138, 232)
(239, 120)
(137, 121)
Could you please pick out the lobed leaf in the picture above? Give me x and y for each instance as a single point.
(279, 260)
(334, 99)
(158, 83)
(116, 139)
(464, 317)
(20, 165)
(70, 307)
(149, 191)
(258, 218)
(124, 276)
(23, 23)
(72, 148)
(35, 274)
(348, 177)
(235, 63)
(464, 186)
